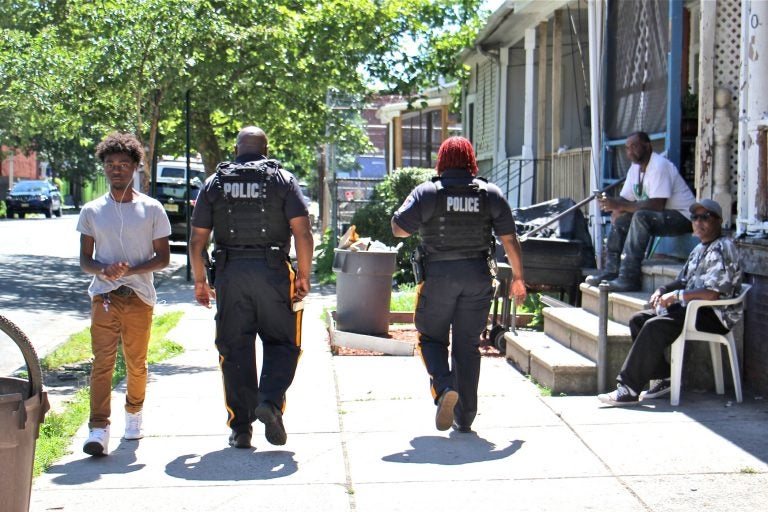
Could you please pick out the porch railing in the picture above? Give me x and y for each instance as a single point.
(513, 174)
(570, 174)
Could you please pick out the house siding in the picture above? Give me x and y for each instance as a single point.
(485, 110)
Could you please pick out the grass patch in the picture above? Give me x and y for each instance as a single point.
(75, 350)
(543, 390)
(404, 299)
(58, 428)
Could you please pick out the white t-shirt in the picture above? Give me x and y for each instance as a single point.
(660, 180)
(124, 232)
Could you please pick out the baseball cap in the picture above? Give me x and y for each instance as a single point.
(708, 204)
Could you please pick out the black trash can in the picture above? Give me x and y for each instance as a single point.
(23, 405)
(363, 290)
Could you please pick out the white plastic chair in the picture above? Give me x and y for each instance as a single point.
(690, 333)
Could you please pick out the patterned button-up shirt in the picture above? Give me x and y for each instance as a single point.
(715, 266)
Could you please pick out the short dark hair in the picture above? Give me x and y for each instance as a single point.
(117, 142)
(640, 135)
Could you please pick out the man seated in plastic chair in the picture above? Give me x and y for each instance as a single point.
(711, 273)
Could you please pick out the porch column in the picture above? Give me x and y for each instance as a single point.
(705, 142)
(501, 115)
(529, 116)
(397, 131)
(542, 177)
(723, 130)
(753, 108)
(595, 19)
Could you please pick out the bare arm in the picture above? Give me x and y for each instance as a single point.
(515, 256)
(112, 271)
(159, 261)
(198, 242)
(302, 236)
(87, 263)
(621, 205)
(397, 230)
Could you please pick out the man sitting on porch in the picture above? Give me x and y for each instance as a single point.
(654, 201)
(712, 272)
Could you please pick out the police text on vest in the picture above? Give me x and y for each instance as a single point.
(246, 190)
(463, 204)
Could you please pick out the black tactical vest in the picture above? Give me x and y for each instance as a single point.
(248, 209)
(461, 225)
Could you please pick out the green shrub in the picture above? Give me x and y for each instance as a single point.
(324, 259)
(373, 220)
(2, 209)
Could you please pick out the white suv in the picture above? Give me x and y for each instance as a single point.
(176, 169)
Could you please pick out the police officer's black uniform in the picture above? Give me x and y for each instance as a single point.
(249, 203)
(455, 216)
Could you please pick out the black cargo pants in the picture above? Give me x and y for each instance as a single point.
(454, 298)
(253, 299)
(651, 335)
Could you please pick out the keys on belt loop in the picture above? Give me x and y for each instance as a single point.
(105, 301)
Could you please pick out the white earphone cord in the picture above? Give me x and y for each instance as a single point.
(120, 216)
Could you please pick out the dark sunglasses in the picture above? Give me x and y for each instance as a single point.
(703, 216)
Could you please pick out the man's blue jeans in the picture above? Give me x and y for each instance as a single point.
(631, 233)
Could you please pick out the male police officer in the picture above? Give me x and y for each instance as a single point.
(253, 206)
(455, 214)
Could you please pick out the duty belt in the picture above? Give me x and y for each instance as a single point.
(258, 253)
(455, 255)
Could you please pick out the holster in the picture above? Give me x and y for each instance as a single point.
(276, 257)
(417, 263)
(210, 268)
(492, 264)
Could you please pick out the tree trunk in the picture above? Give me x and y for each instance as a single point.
(149, 157)
(207, 143)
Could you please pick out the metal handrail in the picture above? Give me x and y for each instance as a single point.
(562, 214)
(508, 175)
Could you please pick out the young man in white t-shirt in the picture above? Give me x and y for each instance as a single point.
(123, 240)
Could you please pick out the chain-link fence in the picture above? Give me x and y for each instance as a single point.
(350, 195)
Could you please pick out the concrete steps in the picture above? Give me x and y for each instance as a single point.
(551, 364)
(621, 306)
(564, 356)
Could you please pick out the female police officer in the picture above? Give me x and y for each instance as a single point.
(456, 215)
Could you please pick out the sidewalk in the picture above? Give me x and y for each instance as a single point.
(361, 437)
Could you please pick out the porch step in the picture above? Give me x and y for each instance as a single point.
(658, 272)
(621, 306)
(564, 356)
(577, 329)
(551, 364)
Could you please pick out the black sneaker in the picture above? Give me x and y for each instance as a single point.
(623, 396)
(445, 405)
(240, 439)
(657, 388)
(272, 418)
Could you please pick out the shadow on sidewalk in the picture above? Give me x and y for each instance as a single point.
(232, 464)
(458, 449)
(121, 460)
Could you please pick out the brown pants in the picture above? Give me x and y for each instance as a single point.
(128, 319)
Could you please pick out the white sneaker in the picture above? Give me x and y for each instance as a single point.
(133, 427)
(97, 442)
